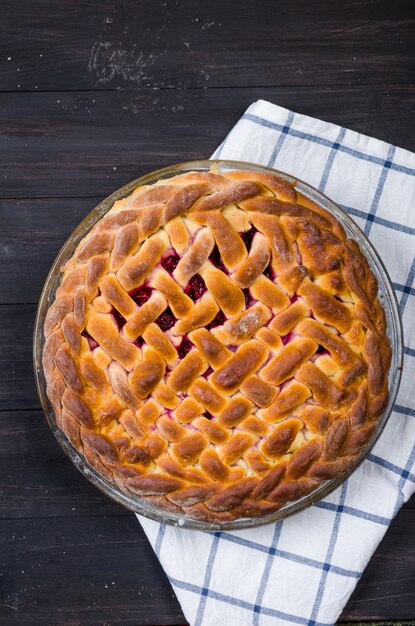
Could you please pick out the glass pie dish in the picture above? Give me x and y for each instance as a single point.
(137, 504)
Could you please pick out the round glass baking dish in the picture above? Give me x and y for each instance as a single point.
(134, 503)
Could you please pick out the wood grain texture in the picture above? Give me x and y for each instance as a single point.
(387, 587)
(17, 385)
(92, 95)
(37, 480)
(180, 44)
(89, 144)
(32, 233)
(100, 571)
(85, 571)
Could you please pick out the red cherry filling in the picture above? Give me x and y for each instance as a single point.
(247, 237)
(184, 348)
(91, 341)
(170, 263)
(195, 287)
(120, 320)
(166, 320)
(286, 338)
(269, 273)
(218, 320)
(208, 415)
(322, 350)
(208, 372)
(140, 295)
(249, 300)
(216, 259)
(139, 342)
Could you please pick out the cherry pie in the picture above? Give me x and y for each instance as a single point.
(216, 345)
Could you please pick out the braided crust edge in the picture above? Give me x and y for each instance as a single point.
(212, 489)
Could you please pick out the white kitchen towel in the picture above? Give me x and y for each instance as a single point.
(302, 570)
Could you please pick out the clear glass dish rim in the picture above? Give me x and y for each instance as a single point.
(136, 504)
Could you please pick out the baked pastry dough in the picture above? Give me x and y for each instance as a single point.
(216, 345)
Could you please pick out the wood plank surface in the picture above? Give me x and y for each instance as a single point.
(92, 95)
(89, 144)
(180, 44)
(50, 514)
(17, 385)
(37, 480)
(82, 571)
(387, 587)
(32, 233)
(99, 570)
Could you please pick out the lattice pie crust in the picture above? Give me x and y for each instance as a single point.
(216, 345)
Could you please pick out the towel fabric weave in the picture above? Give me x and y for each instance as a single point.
(302, 570)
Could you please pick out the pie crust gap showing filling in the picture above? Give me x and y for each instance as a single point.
(216, 346)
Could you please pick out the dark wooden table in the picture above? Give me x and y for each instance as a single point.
(94, 93)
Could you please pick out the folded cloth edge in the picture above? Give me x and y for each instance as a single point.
(324, 129)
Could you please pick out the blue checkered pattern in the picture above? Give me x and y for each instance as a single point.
(303, 570)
